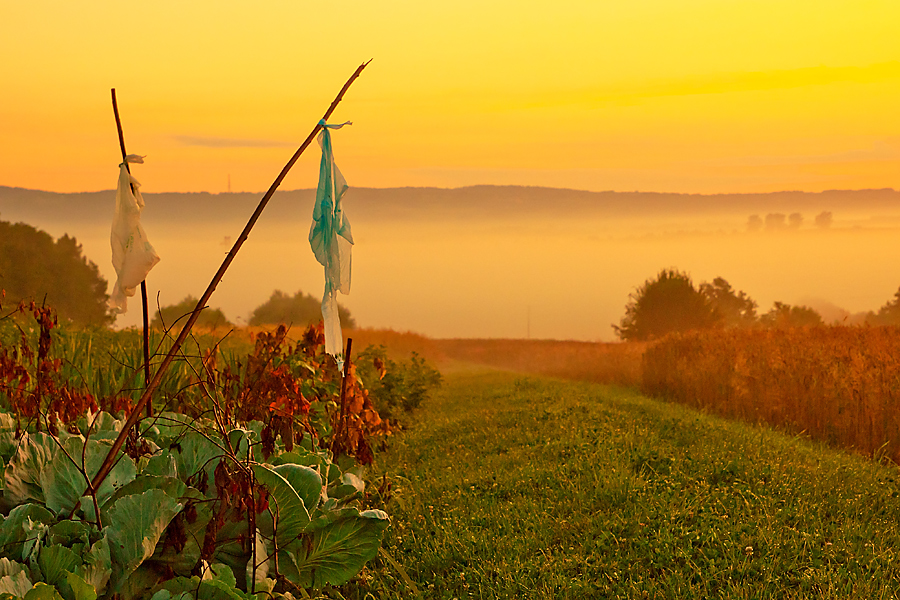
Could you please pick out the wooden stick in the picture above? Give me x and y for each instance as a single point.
(146, 344)
(341, 425)
(110, 459)
(146, 332)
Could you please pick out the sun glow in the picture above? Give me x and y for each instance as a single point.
(695, 96)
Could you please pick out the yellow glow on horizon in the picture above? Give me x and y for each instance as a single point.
(694, 96)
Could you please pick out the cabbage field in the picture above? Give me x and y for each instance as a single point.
(246, 479)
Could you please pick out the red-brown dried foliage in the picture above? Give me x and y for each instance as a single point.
(33, 384)
(278, 384)
(356, 422)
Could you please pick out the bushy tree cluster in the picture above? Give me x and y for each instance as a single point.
(666, 304)
(785, 315)
(34, 266)
(671, 303)
(280, 309)
(889, 314)
(780, 222)
(300, 309)
(175, 315)
(735, 308)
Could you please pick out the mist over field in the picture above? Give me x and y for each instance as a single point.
(503, 261)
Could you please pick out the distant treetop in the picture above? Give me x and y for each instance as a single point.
(669, 303)
(299, 309)
(889, 314)
(785, 315)
(175, 315)
(735, 308)
(35, 267)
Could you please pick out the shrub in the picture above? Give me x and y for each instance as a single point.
(394, 387)
(255, 496)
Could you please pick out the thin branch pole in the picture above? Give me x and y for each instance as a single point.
(146, 331)
(110, 459)
(146, 344)
(336, 442)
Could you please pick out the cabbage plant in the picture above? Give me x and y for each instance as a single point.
(191, 510)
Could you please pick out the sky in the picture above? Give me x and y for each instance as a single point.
(693, 96)
(700, 96)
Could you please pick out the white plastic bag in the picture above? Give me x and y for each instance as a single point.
(132, 254)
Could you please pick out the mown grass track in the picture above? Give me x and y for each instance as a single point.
(514, 487)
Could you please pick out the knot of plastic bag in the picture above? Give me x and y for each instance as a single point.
(333, 125)
(133, 159)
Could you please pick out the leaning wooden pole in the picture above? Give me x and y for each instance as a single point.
(146, 331)
(110, 459)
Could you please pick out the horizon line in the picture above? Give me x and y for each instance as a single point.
(478, 185)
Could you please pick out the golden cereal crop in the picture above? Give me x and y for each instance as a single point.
(837, 384)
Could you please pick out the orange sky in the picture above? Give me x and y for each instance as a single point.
(689, 96)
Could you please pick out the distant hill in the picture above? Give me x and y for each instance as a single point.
(475, 202)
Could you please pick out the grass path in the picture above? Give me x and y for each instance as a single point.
(513, 487)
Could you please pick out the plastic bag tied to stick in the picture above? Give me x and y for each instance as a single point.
(132, 254)
(331, 241)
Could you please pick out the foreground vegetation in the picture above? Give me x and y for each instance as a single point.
(245, 482)
(502, 486)
(514, 487)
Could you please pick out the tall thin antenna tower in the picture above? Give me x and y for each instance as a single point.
(229, 183)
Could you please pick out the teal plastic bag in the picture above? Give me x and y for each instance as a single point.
(331, 240)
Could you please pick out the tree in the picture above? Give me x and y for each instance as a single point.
(734, 307)
(754, 223)
(210, 318)
(35, 267)
(666, 304)
(824, 219)
(299, 309)
(889, 314)
(795, 220)
(784, 316)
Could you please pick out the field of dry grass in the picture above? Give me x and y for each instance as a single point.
(397, 343)
(837, 384)
(618, 363)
